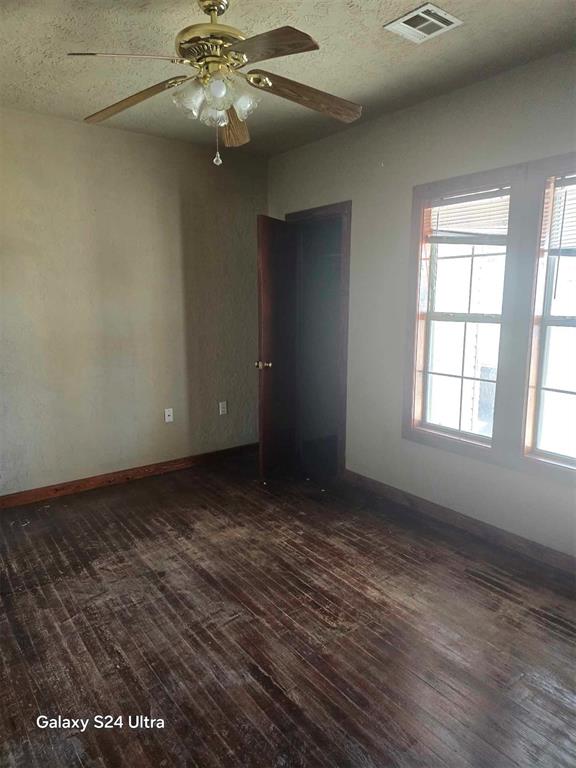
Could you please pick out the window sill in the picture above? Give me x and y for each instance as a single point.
(548, 466)
(552, 460)
(466, 446)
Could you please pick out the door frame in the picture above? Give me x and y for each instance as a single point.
(343, 211)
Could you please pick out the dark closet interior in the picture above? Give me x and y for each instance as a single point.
(318, 344)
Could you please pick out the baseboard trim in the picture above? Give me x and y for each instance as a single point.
(116, 478)
(490, 533)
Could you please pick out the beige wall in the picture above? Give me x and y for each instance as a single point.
(525, 114)
(127, 285)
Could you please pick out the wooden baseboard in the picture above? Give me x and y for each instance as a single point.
(115, 478)
(488, 532)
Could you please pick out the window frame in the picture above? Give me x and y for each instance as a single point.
(542, 322)
(514, 407)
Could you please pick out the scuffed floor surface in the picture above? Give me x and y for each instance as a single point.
(275, 627)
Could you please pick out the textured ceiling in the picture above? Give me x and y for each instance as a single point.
(357, 58)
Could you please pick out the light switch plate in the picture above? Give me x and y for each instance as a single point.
(223, 408)
(168, 415)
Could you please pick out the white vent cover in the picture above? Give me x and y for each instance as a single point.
(423, 23)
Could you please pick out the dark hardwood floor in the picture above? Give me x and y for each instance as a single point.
(273, 627)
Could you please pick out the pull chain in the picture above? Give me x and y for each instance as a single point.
(217, 159)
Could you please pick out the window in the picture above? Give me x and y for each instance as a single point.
(554, 341)
(462, 264)
(492, 371)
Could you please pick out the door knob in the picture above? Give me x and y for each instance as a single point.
(260, 365)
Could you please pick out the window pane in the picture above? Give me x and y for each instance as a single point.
(478, 407)
(481, 354)
(487, 285)
(479, 250)
(564, 295)
(446, 347)
(560, 358)
(443, 401)
(452, 285)
(445, 250)
(557, 432)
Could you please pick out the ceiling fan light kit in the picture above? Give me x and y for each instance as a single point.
(216, 92)
(210, 101)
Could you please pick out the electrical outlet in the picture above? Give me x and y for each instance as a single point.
(223, 408)
(168, 415)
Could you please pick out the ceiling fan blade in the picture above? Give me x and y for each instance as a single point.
(343, 110)
(136, 98)
(173, 59)
(236, 133)
(283, 41)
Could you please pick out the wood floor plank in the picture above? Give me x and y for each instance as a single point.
(280, 626)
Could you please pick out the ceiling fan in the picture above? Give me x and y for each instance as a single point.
(217, 92)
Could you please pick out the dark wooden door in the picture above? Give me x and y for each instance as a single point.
(277, 363)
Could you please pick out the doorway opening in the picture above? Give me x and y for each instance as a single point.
(304, 265)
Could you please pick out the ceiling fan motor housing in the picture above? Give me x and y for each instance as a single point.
(208, 44)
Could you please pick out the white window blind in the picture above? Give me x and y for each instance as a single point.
(476, 215)
(562, 230)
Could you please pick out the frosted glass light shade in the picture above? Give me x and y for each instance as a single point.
(191, 98)
(245, 104)
(245, 99)
(219, 92)
(213, 117)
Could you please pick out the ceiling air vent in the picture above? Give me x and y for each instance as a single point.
(423, 23)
